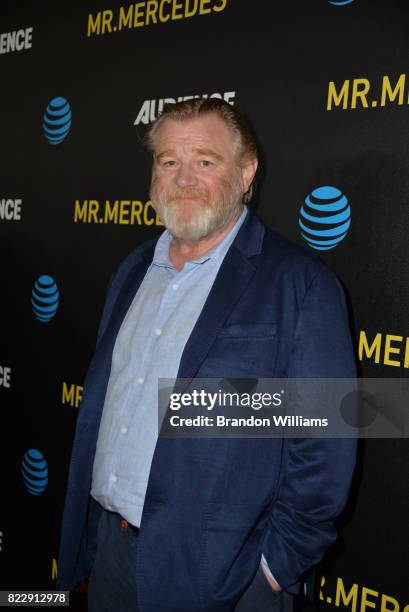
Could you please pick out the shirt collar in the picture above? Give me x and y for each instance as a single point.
(161, 254)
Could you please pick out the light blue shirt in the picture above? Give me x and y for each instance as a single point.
(149, 346)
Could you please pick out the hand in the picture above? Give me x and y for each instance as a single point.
(274, 585)
(82, 586)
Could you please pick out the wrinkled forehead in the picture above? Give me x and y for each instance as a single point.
(208, 131)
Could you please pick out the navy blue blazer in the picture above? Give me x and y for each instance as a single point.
(214, 505)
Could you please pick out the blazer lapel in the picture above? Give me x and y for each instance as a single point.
(233, 277)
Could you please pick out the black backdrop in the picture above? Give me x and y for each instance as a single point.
(276, 61)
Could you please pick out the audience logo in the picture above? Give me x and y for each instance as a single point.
(10, 209)
(16, 40)
(325, 218)
(5, 375)
(151, 109)
(34, 471)
(57, 120)
(45, 298)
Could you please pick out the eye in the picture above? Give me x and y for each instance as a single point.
(205, 163)
(169, 162)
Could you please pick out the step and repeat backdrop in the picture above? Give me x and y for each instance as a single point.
(326, 86)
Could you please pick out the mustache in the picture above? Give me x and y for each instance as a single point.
(186, 193)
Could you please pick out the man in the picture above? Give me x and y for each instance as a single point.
(204, 524)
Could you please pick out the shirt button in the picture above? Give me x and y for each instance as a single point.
(175, 286)
(158, 332)
(114, 477)
(124, 429)
(141, 380)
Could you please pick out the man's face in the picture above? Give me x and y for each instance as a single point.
(197, 184)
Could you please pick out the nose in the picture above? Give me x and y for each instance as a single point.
(185, 176)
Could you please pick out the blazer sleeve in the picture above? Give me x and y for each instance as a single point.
(107, 309)
(316, 473)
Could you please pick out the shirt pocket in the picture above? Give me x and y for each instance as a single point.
(249, 331)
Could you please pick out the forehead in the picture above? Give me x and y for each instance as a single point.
(208, 131)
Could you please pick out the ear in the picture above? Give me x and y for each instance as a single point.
(248, 171)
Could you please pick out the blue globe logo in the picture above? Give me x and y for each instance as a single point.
(45, 298)
(325, 218)
(340, 2)
(34, 471)
(57, 120)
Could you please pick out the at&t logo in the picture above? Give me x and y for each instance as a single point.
(57, 120)
(45, 298)
(325, 218)
(34, 471)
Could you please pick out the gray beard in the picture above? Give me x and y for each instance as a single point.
(205, 222)
(209, 217)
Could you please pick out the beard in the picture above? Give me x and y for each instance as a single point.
(192, 213)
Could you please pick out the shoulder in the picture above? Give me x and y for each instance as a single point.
(135, 263)
(141, 255)
(283, 257)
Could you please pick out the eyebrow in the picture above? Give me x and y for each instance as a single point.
(205, 152)
(163, 153)
(209, 153)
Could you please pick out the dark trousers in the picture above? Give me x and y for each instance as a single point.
(113, 585)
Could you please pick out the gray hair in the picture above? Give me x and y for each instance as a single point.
(244, 140)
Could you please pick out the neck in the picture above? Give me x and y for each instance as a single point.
(181, 250)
